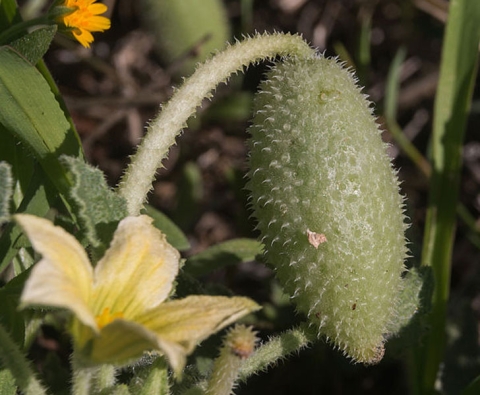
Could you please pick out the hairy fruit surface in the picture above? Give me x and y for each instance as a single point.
(327, 203)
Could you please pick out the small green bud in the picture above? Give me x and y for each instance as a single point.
(327, 203)
(238, 345)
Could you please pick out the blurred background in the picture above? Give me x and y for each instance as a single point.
(394, 46)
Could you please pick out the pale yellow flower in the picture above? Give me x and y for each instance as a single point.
(119, 307)
(84, 19)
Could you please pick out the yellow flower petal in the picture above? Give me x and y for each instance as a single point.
(84, 19)
(174, 328)
(63, 278)
(97, 9)
(123, 341)
(98, 24)
(137, 271)
(192, 319)
(84, 37)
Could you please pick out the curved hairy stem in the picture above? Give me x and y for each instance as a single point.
(162, 131)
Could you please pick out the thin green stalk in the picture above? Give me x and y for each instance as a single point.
(83, 379)
(277, 348)
(13, 359)
(457, 76)
(267, 354)
(105, 377)
(162, 131)
(88, 380)
(363, 50)
(156, 383)
(393, 84)
(12, 33)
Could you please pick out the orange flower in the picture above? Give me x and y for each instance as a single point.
(85, 19)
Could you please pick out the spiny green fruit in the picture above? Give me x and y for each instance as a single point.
(327, 203)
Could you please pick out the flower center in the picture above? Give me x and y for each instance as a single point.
(106, 317)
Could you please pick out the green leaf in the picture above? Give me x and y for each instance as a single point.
(12, 358)
(39, 197)
(31, 113)
(10, 317)
(414, 303)
(189, 194)
(233, 108)
(417, 286)
(35, 44)
(6, 191)
(21, 162)
(180, 26)
(99, 209)
(230, 252)
(174, 234)
(56, 375)
(8, 14)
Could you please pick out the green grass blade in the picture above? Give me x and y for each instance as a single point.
(363, 50)
(393, 84)
(473, 388)
(391, 102)
(457, 76)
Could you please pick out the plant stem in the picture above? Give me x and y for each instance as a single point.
(14, 360)
(162, 131)
(277, 348)
(83, 379)
(267, 354)
(12, 32)
(156, 383)
(89, 380)
(238, 346)
(457, 76)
